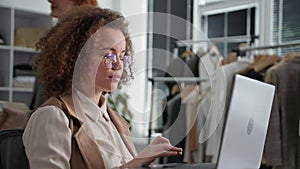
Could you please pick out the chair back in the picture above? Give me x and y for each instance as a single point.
(12, 151)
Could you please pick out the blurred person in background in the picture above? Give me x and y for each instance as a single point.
(12, 119)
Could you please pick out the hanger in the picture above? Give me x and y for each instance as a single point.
(232, 56)
(213, 50)
(200, 51)
(258, 59)
(187, 53)
(290, 55)
(269, 61)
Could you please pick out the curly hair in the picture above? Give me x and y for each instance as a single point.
(61, 46)
(85, 2)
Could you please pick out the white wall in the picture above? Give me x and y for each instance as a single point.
(135, 11)
(41, 6)
(106, 4)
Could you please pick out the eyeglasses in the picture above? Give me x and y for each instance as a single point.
(111, 61)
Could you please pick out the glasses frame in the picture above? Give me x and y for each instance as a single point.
(111, 62)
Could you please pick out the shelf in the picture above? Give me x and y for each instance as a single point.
(24, 49)
(4, 47)
(4, 89)
(16, 89)
(18, 49)
(13, 19)
(19, 89)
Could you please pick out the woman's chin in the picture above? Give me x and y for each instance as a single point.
(112, 88)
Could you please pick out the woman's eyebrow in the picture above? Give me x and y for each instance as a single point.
(106, 49)
(112, 49)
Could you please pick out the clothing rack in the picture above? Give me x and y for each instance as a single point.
(283, 45)
(168, 79)
(233, 39)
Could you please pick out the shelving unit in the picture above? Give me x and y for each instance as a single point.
(10, 55)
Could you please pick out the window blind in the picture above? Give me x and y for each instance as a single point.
(286, 25)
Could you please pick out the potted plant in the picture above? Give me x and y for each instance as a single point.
(119, 103)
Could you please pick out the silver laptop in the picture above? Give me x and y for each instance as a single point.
(245, 128)
(246, 124)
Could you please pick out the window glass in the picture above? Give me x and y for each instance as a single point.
(230, 24)
(237, 23)
(215, 25)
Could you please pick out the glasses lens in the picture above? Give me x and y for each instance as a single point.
(112, 57)
(111, 61)
(126, 60)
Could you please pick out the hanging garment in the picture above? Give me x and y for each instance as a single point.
(192, 69)
(217, 103)
(270, 71)
(176, 68)
(174, 129)
(281, 141)
(191, 97)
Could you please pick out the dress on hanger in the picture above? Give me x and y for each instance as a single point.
(217, 101)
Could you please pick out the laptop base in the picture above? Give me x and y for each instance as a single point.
(185, 166)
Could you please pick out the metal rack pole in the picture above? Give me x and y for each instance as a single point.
(291, 44)
(233, 39)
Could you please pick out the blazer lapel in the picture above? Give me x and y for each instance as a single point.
(85, 139)
(87, 147)
(83, 133)
(123, 128)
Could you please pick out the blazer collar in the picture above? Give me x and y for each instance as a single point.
(120, 123)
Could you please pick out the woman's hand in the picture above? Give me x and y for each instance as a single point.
(160, 147)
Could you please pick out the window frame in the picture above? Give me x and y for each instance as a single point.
(225, 8)
(263, 18)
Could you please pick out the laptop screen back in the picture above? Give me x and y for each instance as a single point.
(246, 124)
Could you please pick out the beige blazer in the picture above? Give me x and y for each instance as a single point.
(85, 154)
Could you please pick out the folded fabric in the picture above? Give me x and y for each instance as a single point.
(23, 70)
(24, 81)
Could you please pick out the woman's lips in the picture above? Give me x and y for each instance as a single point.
(115, 77)
(53, 8)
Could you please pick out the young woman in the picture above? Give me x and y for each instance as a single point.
(59, 7)
(86, 55)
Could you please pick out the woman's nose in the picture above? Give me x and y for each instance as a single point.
(117, 64)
